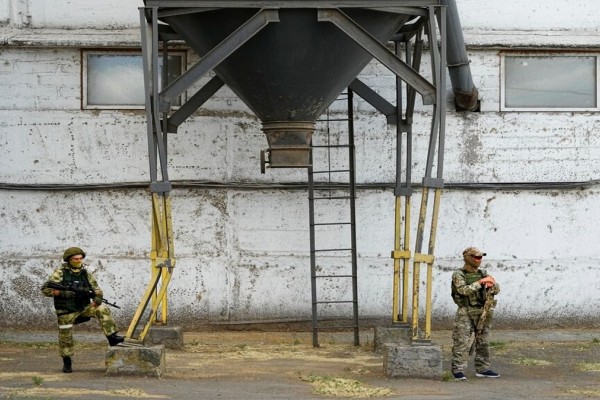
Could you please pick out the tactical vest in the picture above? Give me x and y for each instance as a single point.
(476, 299)
(77, 303)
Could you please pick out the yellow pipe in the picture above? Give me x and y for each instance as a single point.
(415, 301)
(150, 289)
(418, 258)
(428, 302)
(405, 261)
(432, 237)
(396, 285)
(161, 294)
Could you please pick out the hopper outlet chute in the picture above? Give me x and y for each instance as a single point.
(291, 70)
(289, 143)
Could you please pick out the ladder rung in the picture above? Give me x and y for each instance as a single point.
(332, 198)
(334, 302)
(332, 171)
(334, 276)
(336, 327)
(321, 250)
(332, 120)
(332, 223)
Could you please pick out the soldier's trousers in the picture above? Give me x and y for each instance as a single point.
(464, 324)
(66, 322)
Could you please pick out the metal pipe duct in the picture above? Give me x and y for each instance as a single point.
(465, 92)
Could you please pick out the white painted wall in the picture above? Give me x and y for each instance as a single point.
(242, 254)
(530, 15)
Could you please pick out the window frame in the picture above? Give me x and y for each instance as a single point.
(505, 54)
(125, 52)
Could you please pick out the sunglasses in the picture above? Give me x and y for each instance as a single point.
(477, 257)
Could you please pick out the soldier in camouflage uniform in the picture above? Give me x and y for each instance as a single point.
(468, 291)
(72, 308)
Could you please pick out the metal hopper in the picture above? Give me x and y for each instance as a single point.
(290, 71)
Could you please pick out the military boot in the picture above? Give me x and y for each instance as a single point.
(67, 365)
(115, 339)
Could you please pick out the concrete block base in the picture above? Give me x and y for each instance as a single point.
(136, 360)
(169, 336)
(412, 361)
(397, 334)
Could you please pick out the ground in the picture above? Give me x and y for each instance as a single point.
(543, 364)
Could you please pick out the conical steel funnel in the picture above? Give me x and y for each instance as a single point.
(291, 70)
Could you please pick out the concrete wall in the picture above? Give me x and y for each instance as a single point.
(242, 243)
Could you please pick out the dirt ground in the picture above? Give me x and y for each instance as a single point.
(544, 364)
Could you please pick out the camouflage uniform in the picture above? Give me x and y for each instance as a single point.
(67, 317)
(469, 295)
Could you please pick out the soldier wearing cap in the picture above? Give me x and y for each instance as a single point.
(72, 309)
(469, 284)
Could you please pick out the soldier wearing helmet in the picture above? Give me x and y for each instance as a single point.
(73, 308)
(469, 284)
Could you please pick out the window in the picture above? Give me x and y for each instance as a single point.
(115, 80)
(554, 82)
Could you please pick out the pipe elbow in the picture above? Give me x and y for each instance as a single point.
(467, 101)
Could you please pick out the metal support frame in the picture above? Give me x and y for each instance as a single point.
(160, 122)
(436, 144)
(432, 93)
(380, 52)
(162, 254)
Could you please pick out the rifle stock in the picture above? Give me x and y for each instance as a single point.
(89, 293)
(487, 306)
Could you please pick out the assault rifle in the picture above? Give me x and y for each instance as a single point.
(487, 306)
(78, 292)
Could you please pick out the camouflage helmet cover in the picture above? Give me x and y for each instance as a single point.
(71, 251)
(473, 251)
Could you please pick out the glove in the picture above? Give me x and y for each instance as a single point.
(98, 300)
(67, 294)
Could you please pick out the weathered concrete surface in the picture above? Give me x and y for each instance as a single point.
(395, 334)
(171, 337)
(242, 242)
(230, 267)
(147, 361)
(412, 361)
(515, 15)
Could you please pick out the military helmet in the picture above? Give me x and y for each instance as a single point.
(71, 251)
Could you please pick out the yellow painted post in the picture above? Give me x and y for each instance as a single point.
(405, 261)
(162, 263)
(401, 252)
(396, 285)
(418, 258)
(167, 272)
(415, 300)
(432, 237)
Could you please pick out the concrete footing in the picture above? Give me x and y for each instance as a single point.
(414, 360)
(169, 336)
(136, 360)
(398, 334)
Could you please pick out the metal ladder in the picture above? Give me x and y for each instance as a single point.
(332, 217)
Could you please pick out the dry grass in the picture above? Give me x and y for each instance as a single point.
(594, 367)
(591, 392)
(44, 392)
(341, 387)
(531, 362)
